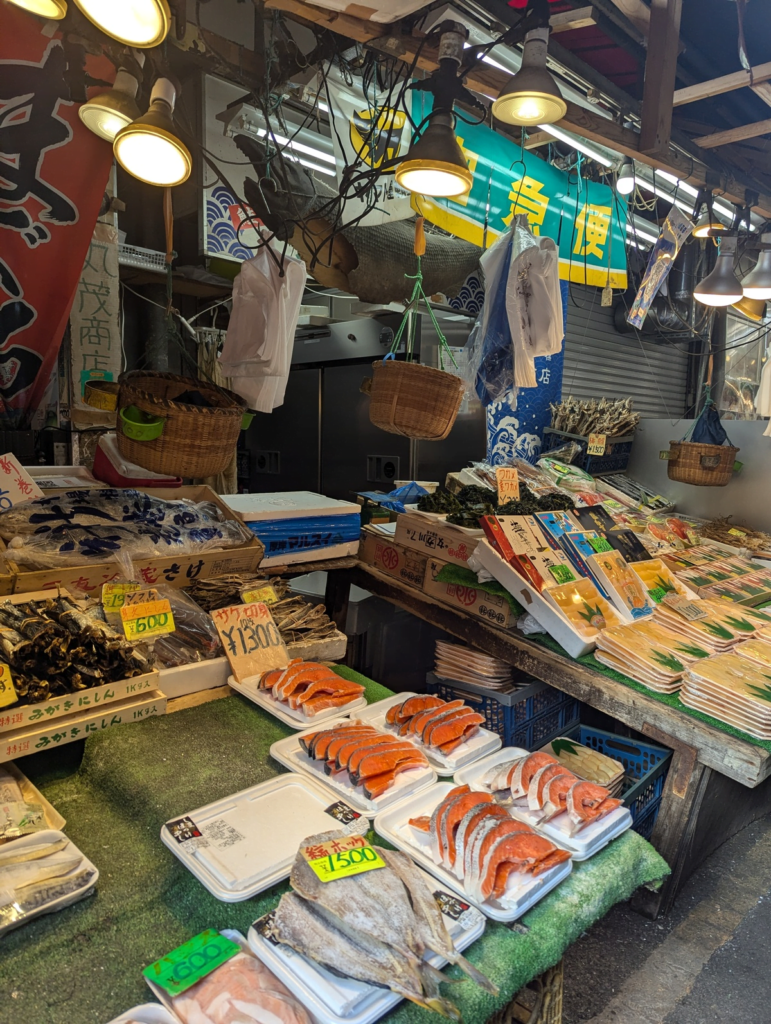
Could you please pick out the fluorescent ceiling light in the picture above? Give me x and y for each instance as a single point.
(678, 183)
(576, 144)
(300, 147)
(636, 232)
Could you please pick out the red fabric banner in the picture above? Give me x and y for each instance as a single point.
(53, 172)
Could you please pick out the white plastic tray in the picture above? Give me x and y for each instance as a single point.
(290, 753)
(482, 742)
(282, 711)
(147, 1013)
(248, 842)
(590, 840)
(334, 1000)
(52, 836)
(522, 891)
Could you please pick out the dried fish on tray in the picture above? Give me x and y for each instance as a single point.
(55, 648)
(80, 526)
(221, 591)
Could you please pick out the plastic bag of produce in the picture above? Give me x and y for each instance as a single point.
(569, 478)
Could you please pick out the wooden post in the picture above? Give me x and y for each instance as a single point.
(660, 70)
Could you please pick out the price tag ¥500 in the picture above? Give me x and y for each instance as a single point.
(8, 693)
(142, 621)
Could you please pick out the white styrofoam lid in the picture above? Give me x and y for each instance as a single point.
(287, 505)
(248, 841)
(147, 1013)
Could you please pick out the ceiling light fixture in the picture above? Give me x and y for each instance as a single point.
(55, 10)
(722, 286)
(625, 182)
(107, 112)
(578, 144)
(435, 164)
(531, 96)
(149, 148)
(753, 309)
(141, 23)
(757, 284)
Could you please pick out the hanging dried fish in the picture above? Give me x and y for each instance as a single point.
(610, 416)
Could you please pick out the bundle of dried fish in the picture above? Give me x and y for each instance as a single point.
(298, 620)
(221, 591)
(53, 648)
(610, 416)
(374, 927)
(723, 530)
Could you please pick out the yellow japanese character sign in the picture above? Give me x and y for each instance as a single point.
(526, 196)
(592, 226)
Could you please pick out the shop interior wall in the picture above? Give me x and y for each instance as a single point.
(747, 498)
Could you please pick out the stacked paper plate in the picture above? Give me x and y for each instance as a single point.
(757, 651)
(468, 666)
(733, 690)
(587, 763)
(629, 651)
(717, 631)
(747, 621)
(684, 650)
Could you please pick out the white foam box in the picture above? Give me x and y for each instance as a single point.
(555, 624)
(45, 735)
(438, 539)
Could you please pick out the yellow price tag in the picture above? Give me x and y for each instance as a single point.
(265, 594)
(597, 444)
(345, 862)
(142, 621)
(8, 693)
(737, 533)
(114, 595)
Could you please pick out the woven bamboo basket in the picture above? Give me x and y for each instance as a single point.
(414, 400)
(195, 442)
(539, 1002)
(704, 465)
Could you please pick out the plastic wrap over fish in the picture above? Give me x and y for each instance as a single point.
(81, 526)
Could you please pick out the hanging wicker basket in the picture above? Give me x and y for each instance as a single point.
(196, 442)
(704, 465)
(415, 401)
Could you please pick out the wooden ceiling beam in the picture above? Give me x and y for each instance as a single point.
(569, 21)
(745, 131)
(638, 13)
(660, 72)
(726, 83)
(488, 81)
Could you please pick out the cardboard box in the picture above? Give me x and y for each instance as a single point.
(46, 735)
(177, 570)
(393, 559)
(436, 538)
(488, 607)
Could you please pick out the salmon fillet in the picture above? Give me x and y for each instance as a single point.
(376, 762)
(327, 700)
(378, 784)
(452, 727)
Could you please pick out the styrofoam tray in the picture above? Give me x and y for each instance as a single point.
(238, 846)
(481, 743)
(522, 890)
(282, 711)
(334, 1000)
(53, 835)
(163, 996)
(147, 1013)
(290, 753)
(590, 840)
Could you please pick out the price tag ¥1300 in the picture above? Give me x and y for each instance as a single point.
(143, 621)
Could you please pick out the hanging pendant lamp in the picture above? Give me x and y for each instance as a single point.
(149, 147)
(141, 23)
(55, 10)
(106, 113)
(532, 96)
(722, 286)
(625, 181)
(435, 164)
(757, 284)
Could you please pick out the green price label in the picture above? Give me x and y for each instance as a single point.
(600, 544)
(657, 594)
(561, 573)
(346, 863)
(184, 966)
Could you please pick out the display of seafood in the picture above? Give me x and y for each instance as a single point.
(36, 874)
(80, 526)
(476, 838)
(610, 416)
(374, 927)
(439, 724)
(240, 991)
(53, 648)
(221, 591)
(372, 759)
(723, 530)
(310, 687)
(542, 783)
(195, 637)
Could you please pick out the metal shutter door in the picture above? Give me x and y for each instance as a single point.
(601, 363)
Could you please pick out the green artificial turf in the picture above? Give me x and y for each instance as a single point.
(83, 965)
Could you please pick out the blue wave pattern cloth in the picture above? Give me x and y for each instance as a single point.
(284, 536)
(79, 526)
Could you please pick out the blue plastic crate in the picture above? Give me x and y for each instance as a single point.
(527, 717)
(615, 460)
(645, 767)
(644, 824)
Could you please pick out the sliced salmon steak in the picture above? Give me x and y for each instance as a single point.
(327, 700)
(345, 752)
(422, 824)
(538, 783)
(343, 737)
(453, 727)
(555, 794)
(269, 679)
(525, 851)
(587, 802)
(467, 826)
(503, 827)
(438, 814)
(376, 785)
(418, 722)
(299, 675)
(453, 817)
(399, 713)
(323, 681)
(317, 743)
(526, 769)
(378, 761)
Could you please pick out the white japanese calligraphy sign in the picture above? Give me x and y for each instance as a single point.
(251, 639)
(15, 483)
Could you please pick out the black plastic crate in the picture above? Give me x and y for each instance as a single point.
(615, 460)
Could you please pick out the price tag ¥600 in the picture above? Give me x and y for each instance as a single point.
(8, 693)
(143, 621)
(341, 858)
(184, 966)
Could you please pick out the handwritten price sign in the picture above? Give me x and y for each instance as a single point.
(251, 639)
(341, 858)
(15, 483)
(184, 966)
(143, 621)
(597, 444)
(507, 479)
